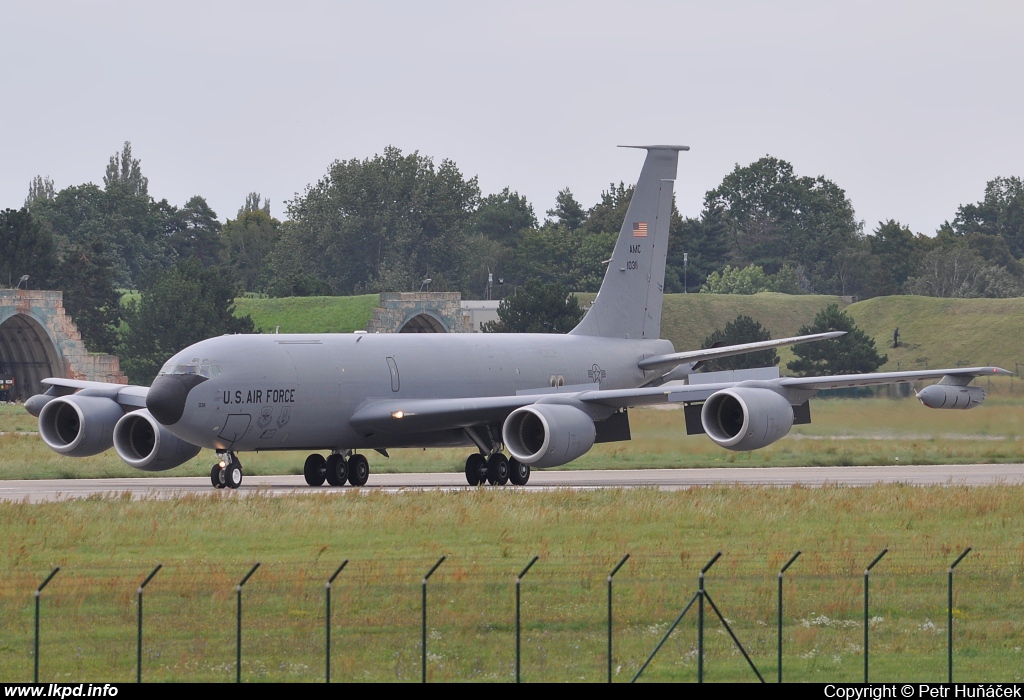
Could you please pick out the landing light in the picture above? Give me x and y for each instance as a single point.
(222, 464)
(398, 414)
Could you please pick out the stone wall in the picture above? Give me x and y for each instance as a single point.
(439, 312)
(37, 336)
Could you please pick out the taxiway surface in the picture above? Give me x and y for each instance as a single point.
(42, 490)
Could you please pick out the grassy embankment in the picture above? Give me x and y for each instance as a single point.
(309, 314)
(206, 543)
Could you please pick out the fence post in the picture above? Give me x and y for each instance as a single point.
(782, 571)
(327, 615)
(614, 571)
(432, 570)
(238, 637)
(138, 665)
(519, 579)
(35, 674)
(949, 613)
(700, 617)
(867, 572)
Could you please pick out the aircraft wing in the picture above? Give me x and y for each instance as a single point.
(129, 396)
(807, 386)
(677, 358)
(423, 415)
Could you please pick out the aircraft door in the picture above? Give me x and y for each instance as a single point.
(235, 427)
(395, 381)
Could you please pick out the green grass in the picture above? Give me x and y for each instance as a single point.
(105, 546)
(944, 332)
(309, 314)
(933, 332)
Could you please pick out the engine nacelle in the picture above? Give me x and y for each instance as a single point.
(743, 418)
(145, 444)
(949, 396)
(79, 426)
(34, 404)
(548, 435)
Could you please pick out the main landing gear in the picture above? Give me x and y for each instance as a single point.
(496, 470)
(227, 472)
(337, 469)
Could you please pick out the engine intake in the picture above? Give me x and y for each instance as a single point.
(743, 418)
(145, 444)
(79, 426)
(548, 435)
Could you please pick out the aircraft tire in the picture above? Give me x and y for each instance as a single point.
(233, 474)
(497, 470)
(476, 468)
(314, 470)
(518, 473)
(336, 470)
(217, 477)
(358, 470)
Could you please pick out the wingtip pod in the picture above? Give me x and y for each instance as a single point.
(953, 390)
(949, 396)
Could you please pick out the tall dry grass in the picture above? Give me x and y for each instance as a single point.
(106, 546)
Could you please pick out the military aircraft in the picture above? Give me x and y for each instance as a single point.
(547, 399)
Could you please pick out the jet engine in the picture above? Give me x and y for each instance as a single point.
(79, 426)
(145, 444)
(745, 418)
(548, 435)
(950, 396)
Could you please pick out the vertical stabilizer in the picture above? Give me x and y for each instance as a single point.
(628, 304)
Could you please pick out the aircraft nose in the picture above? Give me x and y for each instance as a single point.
(167, 396)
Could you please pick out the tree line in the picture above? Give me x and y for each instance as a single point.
(394, 220)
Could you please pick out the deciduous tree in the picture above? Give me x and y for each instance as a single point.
(178, 306)
(537, 307)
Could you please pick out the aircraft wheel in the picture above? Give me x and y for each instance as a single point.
(336, 470)
(217, 477)
(358, 470)
(476, 468)
(313, 470)
(233, 474)
(497, 470)
(518, 473)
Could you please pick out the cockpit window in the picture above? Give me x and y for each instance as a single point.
(202, 370)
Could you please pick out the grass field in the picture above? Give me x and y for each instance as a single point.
(207, 543)
(309, 314)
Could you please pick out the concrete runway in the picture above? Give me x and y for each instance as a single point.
(36, 491)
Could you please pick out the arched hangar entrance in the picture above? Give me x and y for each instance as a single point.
(423, 323)
(28, 355)
(39, 340)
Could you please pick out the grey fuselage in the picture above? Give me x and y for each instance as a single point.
(280, 392)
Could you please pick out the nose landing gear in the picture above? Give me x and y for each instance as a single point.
(227, 472)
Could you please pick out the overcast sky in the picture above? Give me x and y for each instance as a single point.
(910, 107)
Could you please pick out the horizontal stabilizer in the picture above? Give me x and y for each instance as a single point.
(678, 358)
